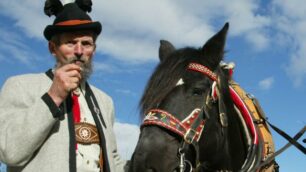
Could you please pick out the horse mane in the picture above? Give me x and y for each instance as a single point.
(167, 74)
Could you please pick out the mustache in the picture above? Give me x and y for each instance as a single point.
(86, 66)
(75, 59)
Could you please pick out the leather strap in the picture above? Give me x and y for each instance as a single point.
(101, 163)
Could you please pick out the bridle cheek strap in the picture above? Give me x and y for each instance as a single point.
(239, 103)
(190, 128)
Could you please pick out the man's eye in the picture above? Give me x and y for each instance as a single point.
(70, 43)
(87, 44)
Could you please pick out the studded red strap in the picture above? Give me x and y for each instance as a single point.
(183, 128)
(202, 69)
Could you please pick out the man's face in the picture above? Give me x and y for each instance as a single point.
(77, 48)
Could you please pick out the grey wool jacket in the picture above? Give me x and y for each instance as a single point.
(32, 139)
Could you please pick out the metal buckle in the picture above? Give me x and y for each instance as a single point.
(190, 135)
(223, 119)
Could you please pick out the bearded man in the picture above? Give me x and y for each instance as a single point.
(56, 121)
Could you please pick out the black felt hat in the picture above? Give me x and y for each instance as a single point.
(70, 17)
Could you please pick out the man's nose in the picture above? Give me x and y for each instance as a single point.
(78, 49)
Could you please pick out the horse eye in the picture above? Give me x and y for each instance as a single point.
(197, 92)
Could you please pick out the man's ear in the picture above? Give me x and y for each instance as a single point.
(52, 47)
(95, 47)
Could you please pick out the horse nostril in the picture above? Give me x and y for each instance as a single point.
(150, 170)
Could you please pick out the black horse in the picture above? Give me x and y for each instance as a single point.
(185, 128)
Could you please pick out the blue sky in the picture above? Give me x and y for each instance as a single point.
(266, 41)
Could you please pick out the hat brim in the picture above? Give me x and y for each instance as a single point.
(50, 30)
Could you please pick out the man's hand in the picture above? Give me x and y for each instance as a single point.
(66, 79)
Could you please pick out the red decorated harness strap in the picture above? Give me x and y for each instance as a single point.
(202, 69)
(245, 113)
(182, 128)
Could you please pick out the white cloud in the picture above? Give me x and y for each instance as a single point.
(132, 28)
(105, 67)
(125, 92)
(128, 49)
(267, 83)
(108, 66)
(244, 16)
(297, 67)
(291, 8)
(259, 40)
(28, 16)
(13, 48)
(290, 21)
(127, 138)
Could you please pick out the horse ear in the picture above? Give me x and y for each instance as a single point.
(214, 47)
(165, 49)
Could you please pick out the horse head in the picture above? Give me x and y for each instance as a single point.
(178, 93)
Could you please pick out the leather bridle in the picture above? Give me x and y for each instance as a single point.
(189, 129)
